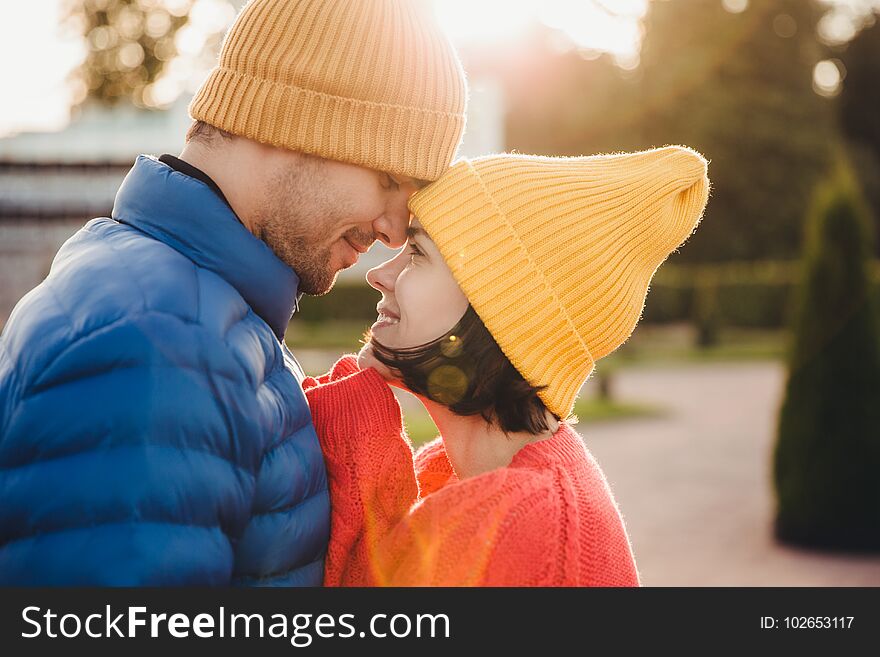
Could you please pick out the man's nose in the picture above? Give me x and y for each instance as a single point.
(391, 227)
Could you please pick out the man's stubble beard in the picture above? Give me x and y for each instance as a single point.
(298, 215)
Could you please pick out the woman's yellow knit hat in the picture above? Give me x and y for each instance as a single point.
(373, 83)
(556, 254)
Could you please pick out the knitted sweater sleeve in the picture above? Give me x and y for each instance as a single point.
(369, 463)
(382, 531)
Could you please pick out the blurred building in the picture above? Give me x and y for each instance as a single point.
(53, 183)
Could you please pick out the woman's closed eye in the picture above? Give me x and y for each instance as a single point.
(414, 250)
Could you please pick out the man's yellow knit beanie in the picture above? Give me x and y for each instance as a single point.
(556, 254)
(372, 82)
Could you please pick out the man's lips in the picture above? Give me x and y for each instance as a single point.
(356, 247)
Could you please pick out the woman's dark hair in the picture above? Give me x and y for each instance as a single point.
(466, 371)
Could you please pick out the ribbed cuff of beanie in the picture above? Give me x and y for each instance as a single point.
(409, 141)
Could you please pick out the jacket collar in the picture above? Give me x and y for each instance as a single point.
(187, 215)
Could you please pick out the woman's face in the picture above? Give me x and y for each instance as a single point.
(420, 302)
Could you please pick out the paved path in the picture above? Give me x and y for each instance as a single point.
(694, 487)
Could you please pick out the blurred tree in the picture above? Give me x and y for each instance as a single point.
(860, 108)
(130, 42)
(738, 87)
(605, 379)
(860, 98)
(827, 454)
(706, 311)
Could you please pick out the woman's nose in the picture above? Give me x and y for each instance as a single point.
(384, 277)
(379, 279)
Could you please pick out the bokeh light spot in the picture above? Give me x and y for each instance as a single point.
(447, 384)
(451, 348)
(827, 78)
(784, 26)
(735, 6)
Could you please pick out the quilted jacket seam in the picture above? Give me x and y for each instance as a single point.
(287, 507)
(115, 251)
(179, 448)
(129, 521)
(111, 324)
(250, 580)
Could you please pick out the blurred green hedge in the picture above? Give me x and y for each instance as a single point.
(353, 302)
(746, 295)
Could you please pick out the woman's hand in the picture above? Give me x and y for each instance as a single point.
(348, 402)
(366, 358)
(345, 366)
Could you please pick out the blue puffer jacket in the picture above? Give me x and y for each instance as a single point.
(153, 430)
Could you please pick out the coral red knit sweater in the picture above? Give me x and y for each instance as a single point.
(548, 519)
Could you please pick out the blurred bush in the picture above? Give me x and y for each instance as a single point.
(827, 454)
(737, 294)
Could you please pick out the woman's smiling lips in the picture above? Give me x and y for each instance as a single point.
(386, 318)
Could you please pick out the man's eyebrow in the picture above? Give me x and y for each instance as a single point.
(417, 182)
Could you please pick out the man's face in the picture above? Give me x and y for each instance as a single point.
(319, 215)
